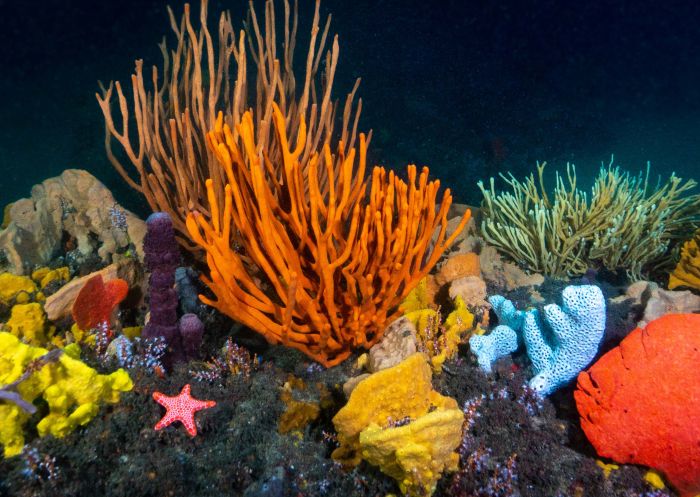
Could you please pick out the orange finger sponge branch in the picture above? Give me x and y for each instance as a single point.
(326, 264)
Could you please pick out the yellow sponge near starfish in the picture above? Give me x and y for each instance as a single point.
(72, 390)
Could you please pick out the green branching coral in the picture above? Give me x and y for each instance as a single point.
(626, 224)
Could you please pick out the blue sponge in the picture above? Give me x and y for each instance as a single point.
(559, 344)
(576, 327)
(503, 340)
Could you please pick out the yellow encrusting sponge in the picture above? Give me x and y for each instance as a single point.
(72, 390)
(395, 420)
(687, 272)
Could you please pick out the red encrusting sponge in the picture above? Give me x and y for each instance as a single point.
(96, 301)
(640, 402)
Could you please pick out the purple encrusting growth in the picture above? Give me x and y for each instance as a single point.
(162, 257)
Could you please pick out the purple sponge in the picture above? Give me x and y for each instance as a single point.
(191, 334)
(162, 256)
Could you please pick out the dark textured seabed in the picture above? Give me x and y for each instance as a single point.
(239, 450)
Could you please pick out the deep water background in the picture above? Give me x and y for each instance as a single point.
(469, 88)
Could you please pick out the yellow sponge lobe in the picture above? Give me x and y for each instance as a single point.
(12, 286)
(395, 420)
(28, 322)
(687, 272)
(72, 390)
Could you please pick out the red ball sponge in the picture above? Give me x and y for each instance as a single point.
(640, 402)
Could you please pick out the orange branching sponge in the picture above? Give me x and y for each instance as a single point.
(325, 266)
(687, 272)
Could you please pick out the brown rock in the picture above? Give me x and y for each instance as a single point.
(458, 266)
(472, 289)
(398, 342)
(658, 302)
(470, 243)
(454, 216)
(664, 302)
(505, 274)
(73, 205)
(637, 289)
(350, 385)
(517, 278)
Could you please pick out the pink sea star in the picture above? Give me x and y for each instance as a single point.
(181, 408)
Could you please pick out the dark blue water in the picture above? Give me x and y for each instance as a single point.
(468, 88)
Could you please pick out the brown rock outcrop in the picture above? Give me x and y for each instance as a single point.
(75, 206)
